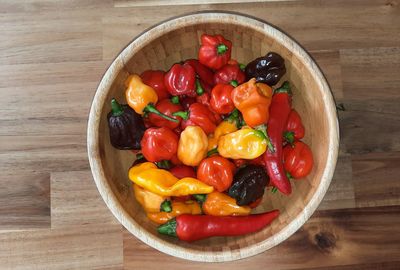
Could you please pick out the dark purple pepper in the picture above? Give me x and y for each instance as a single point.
(268, 69)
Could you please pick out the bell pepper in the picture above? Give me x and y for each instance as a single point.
(159, 144)
(216, 171)
(198, 115)
(294, 127)
(221, 99)
(268, 69)
(182, 171)
(215, 51)
(163, 183)
(220, 204)
(192, 146)
(142, 97)
(177, 209)
(245, 143)
(252, 100)
(195, 227)
(150, 201)
(205, 74)
(166, 107)
(230, 74)
(126, 127)
(155, 79)
(181, 80)
(205, 100)
(298, 160)
(279, 113)
(187, 101)
(229, 125)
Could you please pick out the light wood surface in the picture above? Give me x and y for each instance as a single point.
(52, 55)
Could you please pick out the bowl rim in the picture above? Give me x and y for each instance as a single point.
(140, 41)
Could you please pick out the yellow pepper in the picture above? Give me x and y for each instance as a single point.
(220, 204)
(150, 201)
(164, 183)
(142, 97)
(246, 143)
(178, 208)
(192, 147)
(227, 126)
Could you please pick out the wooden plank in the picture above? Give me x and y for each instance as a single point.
(155, 3)
(376, 178)
(24, 201)
(329, 238)
(75, 201)
(84, 247)
(369, 266)
(36, 6)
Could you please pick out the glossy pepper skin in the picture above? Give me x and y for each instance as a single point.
(150, 201)
(142, 97)
(221, 99)
(294, 127)
(268, 69)
(205, 74)
(216, 171)
(181, 80)
(229, 74)
(298, 159)
(215, 51)
(191, 228)
(178, 208)
(220, 204)
(279, 112)
(163, 183)
(249, 184)
(245, 143)
(155, 79)
(126, 127)
(253, 100)
(159, 144)
(198, 115)
(182, 171)
(229, 125)
(166, 107)
(192, 146)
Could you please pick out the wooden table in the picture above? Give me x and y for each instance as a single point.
(52, 55)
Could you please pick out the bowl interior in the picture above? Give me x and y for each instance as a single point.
(248, 43)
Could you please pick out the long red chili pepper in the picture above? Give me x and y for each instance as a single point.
(195, 227)
(279, 111)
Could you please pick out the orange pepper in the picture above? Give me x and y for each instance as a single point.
(252, 100)
(220, 204)
(178, 208)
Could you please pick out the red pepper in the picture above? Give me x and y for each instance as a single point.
(255, 203)
(175, 160)
(195, 227)
(298, 159)
(294, 128)
(198, 115)
(167, 107)
(258, 161)
(230, 74)
(182, 171)
(181, 80)
(216, 171)
(205, 100)
(155, 79)
(215, 51)
(205, 74)
(187, 101)
(159, 144)
(278, 115)
(240, 162)
(221, 100)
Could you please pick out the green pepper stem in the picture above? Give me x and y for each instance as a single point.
(222, 48)
(274, 190)
(285, 88)
(116, 108)
(151, 109)
(234, 118)
(289, 176)
(175, 100)
(184, 115)
(289, 136)
(166, 206)
(242, 67)
(262, 129)
(168, 228)
(199, 88)
(164, 164)
(200, 197)
(139, 156)
(234, 83)
(212, 152)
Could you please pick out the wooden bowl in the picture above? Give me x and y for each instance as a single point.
(178, 39)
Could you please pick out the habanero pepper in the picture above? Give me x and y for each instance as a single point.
(150, 201)
(215, 51)
(166, 107)
(205, 100)
(253, 100)
(298, 159)
(229, 125)
(221, 99)
(155, 79)
(176, 209)
(191, 228)
(159, 144)
(216, 171)
(205, 74)
(182, 171)
(192, 147)
(294, 127)
(230, 74)
(220, 204)
(198, 115)
(181, 80)
(279, 112)
(268, 69)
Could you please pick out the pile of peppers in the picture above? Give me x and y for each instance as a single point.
(209, 137)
